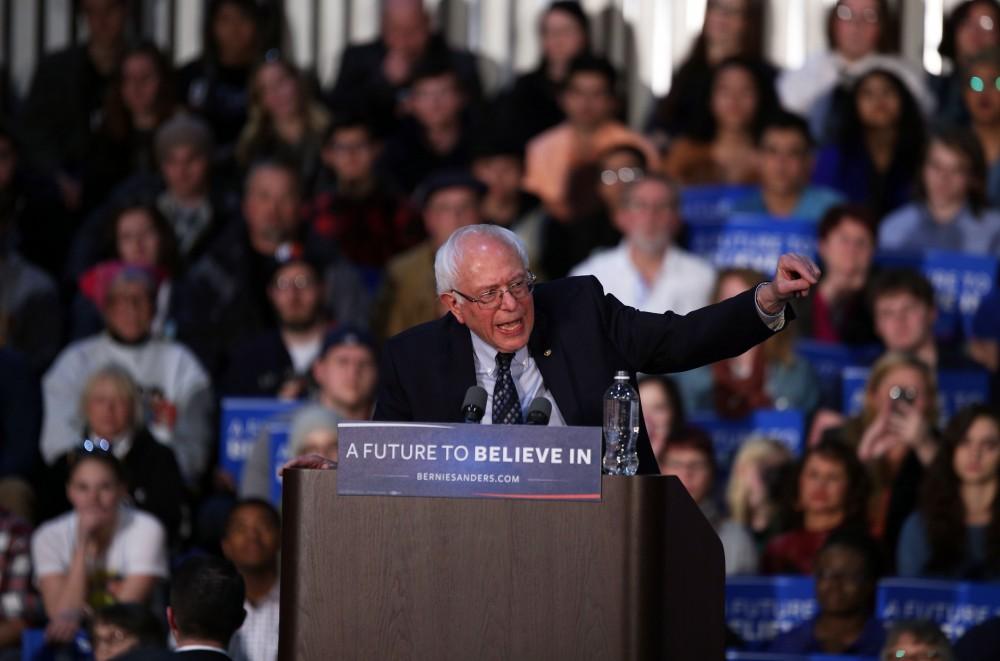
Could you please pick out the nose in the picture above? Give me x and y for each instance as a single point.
(507, 300)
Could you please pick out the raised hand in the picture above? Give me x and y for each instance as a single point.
(794, 278)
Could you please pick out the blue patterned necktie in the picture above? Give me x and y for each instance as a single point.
(506, 405)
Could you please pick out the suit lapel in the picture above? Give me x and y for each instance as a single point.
(553, 362)
(460, 367)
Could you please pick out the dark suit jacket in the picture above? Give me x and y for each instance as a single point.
(581, 337)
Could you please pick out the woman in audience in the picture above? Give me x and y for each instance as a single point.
(847, 571)
(754, 491)
(662, 411)
(101, 552)
(831, 494)
(768, 376)
(982, 99)
(732, 28)
(140, 99)
(136, 234)
(950, 210)
(721, 148)
(112, 406)
(896, 438)
(862, 34)
(956, 531)
(284, 123)
(875, 157)
(532, 104)
(973, 26)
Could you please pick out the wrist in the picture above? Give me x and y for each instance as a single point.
(767, 300)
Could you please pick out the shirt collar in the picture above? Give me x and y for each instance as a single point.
(486, 357)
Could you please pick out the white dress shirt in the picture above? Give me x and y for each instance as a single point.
(524, 370)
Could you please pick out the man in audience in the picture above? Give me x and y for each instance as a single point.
(786, 163)
(176, 390)
(588, 98)
(20, 606)
(436, 134)
(276, 362)
(903, 307)
(206, 607)
(251, 542)
(373, 75)
(361, 213)
(450, 199)
(346, 373)
(647, 270)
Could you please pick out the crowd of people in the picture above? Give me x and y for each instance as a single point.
(171, 237)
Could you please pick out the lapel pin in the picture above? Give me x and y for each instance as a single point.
(547, 353)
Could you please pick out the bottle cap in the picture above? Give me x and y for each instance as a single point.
(622, 374)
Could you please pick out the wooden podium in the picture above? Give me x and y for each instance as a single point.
(638, 575)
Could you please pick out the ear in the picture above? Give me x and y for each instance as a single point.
(450, 301)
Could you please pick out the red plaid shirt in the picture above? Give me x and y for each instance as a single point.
(18, 598)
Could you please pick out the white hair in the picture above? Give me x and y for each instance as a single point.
(449, 255)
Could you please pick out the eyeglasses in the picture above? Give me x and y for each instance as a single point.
(297, 282)
(847, 15)
(92, 445)
(977, 84)
(621, 175)
(922, 655)
(492, 298)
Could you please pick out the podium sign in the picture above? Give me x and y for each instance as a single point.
(469, 461)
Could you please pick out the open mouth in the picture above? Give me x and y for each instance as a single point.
(510, 326)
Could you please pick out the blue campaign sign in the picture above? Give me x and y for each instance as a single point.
(243, 421)
(771, 656)
(954, 605)
(711, 203)
(751, 241)
(278, 444)
(469, 461)
(828, 359)
(761, 607)
(960, 282)
(956, 389)
(788, 427)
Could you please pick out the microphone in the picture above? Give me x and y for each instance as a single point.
(539, 412)
(474, 406)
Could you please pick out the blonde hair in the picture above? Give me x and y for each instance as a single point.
(880, 370)
(124, 385)
(752, 451)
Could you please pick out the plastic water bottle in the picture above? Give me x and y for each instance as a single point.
(621, 427)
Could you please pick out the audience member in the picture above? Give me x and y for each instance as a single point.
(732, 28)
(972, 27)
(112, 408)
(176, 390)
(785, 159)
(374, 75)
(362, 215)
(647, 270)
(691, 457)
(862, 34)
(449, 199)
(847, 570)
(127, 632)
(251, 542)
(720, 146)
(206, 607)
(982, 100)
(916, 639)
(956, 531)
(20, 606)
(754, 493)
(66, 94)
(768, 376)
(215, 84)
(662, 411)
(20, 424)
(950, 210)
(346, 372)
(831, 494)
(284, 122)
(532, 103)
(139, 100)
(984, 340)
(838, 310)
(874, 157)
(590, 128)
(276, 362)
(101, 552)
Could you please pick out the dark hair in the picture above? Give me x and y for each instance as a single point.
(861, 543)
(906, 281)
(782, 120)
(79, 456)
(169, 257)
(279, 164)
(623, 148)
(587, 63)
(947, 47)
(888, 35)
(703, 127)
(694, 438)
(941, 500)
(274, 517)
(678, 418)
(839, 213)
(965, 142)
(135, 619)
(117, 121)
(753, 35)
(435, 66)
(922, 631)
(574, 11)
(248, 8)
(856, 497)
(206, 596)
(345, 122)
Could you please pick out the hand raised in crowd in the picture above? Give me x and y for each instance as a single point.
(794, 278)
(879, 439)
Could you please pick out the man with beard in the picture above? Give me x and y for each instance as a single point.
(276, 362)
(647, 270)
